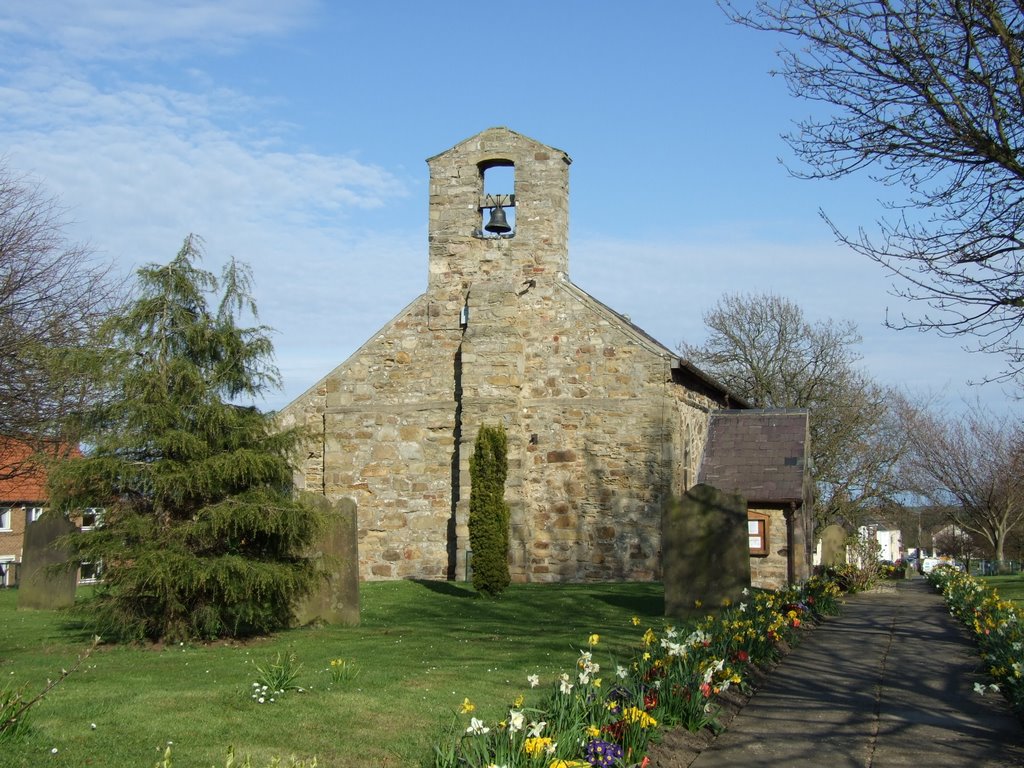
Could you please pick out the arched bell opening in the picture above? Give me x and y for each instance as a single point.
(498, 203)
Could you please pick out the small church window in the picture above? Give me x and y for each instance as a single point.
(497, 208)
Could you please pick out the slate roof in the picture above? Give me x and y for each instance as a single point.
(760, 454)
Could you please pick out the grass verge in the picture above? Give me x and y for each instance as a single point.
(421, 649)
(1008, 587)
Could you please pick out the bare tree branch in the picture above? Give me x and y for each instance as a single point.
(762, 348)
(53, 296)
(926, 96)
(971, 464)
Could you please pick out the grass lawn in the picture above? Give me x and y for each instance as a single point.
(1008, 587)
(422, 647)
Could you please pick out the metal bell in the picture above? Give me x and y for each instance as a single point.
(498, 224)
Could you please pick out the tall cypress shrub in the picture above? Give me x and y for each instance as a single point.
(488, 512)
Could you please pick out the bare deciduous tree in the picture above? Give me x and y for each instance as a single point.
(971, 464)
(765, 350)
(928, 97)
(52, 297)
(962, 545)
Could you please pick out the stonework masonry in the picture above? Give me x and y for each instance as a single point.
(604, 423)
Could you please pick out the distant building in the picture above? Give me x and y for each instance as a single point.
(888, 538)
(604, 423)
(23, 500)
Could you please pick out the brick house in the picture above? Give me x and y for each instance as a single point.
(604, 423)
(23, 499)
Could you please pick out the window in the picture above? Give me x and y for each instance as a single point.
(91, 517)
(88, 573)
(35, 513)
(5, 518)
(757, 533)
(8, 574)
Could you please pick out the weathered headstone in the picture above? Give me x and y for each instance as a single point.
(40, 586)
(705, 552)
(336, 600)
(833, 545)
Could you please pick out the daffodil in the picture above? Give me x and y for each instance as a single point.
(516, 721)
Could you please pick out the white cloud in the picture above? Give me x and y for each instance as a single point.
(115, 29)
(139, 165)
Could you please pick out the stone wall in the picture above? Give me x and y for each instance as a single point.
(771, 571)
(384, 425)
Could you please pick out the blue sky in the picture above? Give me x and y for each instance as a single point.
(292, 135)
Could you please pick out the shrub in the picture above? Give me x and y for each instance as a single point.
(488, 512)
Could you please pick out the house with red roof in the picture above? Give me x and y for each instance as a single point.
(23, 500)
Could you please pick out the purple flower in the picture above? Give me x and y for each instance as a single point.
(603, 753)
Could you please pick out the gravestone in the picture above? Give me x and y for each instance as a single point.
(40, 587)
(336, 598)
(705, 551)
(833, 545)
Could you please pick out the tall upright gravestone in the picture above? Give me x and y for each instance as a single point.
(336, 599)
(40, 586)
(833, 545)
(705, 551)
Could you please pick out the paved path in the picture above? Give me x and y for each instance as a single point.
(890, 682)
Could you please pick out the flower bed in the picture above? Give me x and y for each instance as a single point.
(996, 627)
(608, 715)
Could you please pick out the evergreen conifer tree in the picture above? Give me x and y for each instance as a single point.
(488, 512)
(201, 536)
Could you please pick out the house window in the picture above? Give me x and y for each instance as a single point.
(91, 517)
(34, 513)
(5, 518)
(757, 533)
(7, 571)
(88, 573)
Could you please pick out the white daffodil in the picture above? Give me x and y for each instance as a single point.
(563, 683)
(516, 721)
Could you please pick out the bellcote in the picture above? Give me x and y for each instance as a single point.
(497, 170)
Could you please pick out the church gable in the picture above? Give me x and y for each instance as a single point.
(600, 430)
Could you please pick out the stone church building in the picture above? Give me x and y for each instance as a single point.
(604, 423)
